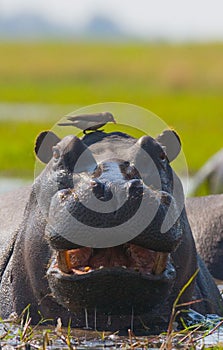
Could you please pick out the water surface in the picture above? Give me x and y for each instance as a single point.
(10, 184)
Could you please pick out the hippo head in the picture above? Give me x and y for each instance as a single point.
(112, 205)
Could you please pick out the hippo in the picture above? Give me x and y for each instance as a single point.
(205, 216)
(102, 238)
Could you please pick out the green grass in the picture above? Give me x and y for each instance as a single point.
(17, 143)
(183, 84)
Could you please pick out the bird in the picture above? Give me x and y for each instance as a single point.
(87, 122)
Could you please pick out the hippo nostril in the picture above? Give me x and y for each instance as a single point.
(101, 191)
(166, 199)
(97, 188)
(135, 188)
(134, 183)
(94, 183)
(137, 182)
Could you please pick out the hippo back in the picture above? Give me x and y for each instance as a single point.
(205, 215)
(12, 205)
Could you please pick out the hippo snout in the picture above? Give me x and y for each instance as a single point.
(99, 206)
(134, 213)
(104, 192)
(101, 190)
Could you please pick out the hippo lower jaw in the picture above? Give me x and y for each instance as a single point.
(111, 280)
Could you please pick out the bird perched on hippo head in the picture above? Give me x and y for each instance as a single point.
(87, 122)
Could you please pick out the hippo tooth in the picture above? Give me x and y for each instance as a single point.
(64, 261)
(87, 268)
(160, 263)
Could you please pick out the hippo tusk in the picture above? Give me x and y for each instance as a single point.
(64, 261)
(160, 263)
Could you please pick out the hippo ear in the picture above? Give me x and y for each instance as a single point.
(171, 141)
(44, 143)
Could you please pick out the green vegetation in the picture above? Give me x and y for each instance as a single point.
(183, 84)
(17, 144)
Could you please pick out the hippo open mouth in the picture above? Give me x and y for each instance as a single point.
(128, 256)
(111, 280)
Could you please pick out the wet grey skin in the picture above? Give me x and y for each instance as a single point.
(205, 215)
(111, 288)
(88, 122)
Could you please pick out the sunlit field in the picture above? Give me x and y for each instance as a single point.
(182, 84)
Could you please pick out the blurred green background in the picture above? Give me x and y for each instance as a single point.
(40, 82)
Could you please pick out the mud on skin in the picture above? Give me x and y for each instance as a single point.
(139, 278)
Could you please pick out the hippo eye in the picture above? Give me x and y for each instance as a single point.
(126, 163)
(124, 166)
(56, 153)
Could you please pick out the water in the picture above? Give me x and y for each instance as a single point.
(10, 184)
(58, 338)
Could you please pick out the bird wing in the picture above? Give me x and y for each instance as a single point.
(94, 118)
